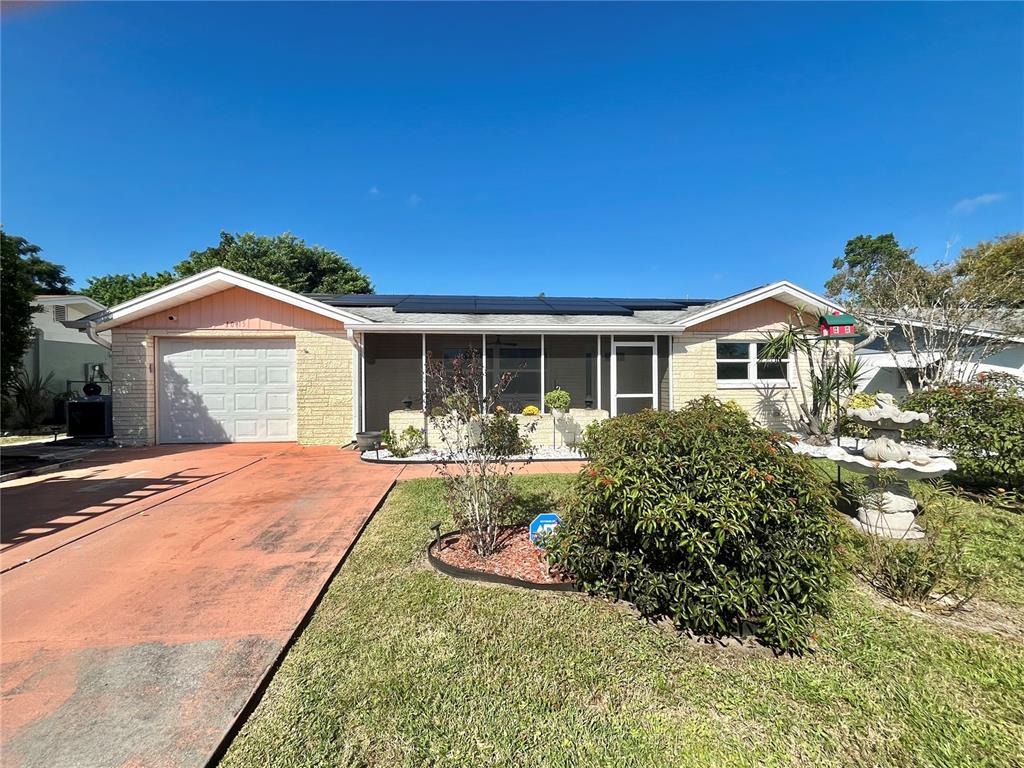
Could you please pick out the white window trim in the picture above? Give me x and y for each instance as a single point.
(751, 382)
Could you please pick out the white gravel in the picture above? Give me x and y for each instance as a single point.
(433, 457)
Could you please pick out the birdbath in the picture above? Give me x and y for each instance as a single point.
(889, 508)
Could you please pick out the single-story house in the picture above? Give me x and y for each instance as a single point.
(70, 357)
(220, 356)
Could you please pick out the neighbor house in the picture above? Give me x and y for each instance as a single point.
(70, 358)
(890, 366)
(223, 357)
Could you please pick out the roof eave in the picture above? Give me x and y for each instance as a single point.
(789, 293)
(646, 329)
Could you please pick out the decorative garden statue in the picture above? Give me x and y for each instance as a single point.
(889, 509)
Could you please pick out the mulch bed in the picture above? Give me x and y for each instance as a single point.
(516, 557)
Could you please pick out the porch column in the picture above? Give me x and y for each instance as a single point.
(543, 407)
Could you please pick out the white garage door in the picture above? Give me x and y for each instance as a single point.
(226, 390)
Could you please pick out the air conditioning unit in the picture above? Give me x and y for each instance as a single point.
(90, 417)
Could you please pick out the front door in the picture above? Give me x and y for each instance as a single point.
(634, 376)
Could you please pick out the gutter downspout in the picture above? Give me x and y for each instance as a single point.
(89, 329)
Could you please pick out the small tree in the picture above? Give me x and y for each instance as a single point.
(471, 426)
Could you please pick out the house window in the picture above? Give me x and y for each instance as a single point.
(60, 312)
(744, 363)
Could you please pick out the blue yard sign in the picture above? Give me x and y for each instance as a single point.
(543, 524)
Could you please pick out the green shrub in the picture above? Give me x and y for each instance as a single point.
(927, 572)
(701, 516)
(500, 435)
(981, 425)
(405, 444)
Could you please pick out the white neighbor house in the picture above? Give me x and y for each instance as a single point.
(887, 370)
(65, 352)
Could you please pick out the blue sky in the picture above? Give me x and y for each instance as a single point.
(667, 150)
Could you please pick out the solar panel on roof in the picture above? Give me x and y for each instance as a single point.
(437, 304)
(362, 300)
(506, 305)
(586, 307)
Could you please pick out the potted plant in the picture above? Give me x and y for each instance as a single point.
(558, 401)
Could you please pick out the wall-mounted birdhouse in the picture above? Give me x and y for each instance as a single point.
(837, 324)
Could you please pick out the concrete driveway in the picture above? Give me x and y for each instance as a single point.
(147, 593)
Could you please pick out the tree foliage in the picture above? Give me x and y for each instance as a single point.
(994, 270)
(111, 290)
(17, 291)
(282, 260)
(938, 310)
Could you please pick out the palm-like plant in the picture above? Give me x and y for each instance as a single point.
(833, 376)
(32, 399)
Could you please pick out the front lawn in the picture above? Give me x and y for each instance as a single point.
(401, 666)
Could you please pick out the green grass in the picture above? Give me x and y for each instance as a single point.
(401, 666)
(34, 437)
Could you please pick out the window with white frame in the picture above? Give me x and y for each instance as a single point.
(744, 362)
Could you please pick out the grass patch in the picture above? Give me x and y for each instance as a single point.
(401, 666)
(35, 437)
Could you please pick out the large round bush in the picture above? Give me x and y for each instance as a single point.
(981, 424)
(700, 516)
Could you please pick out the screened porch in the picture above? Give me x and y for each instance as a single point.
(616, 373)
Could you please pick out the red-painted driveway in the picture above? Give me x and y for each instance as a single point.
(160, 585)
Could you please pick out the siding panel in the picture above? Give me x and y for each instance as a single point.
(236, 309)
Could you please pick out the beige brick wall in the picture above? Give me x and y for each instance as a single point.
(323, 382)
(134, 398)
(694, 374)
(570, 427)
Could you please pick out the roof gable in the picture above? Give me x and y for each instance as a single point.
(782, 291)
(207, 283)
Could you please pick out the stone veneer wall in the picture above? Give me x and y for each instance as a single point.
(323, 382)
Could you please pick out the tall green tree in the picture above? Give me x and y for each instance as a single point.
(936, 310)
(283, 260)
(994, 270)
(17, 292)
(110, 290)
(47, 277)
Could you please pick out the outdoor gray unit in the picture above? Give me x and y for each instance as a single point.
(90, 417)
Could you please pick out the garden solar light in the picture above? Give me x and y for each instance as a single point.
(436, 528)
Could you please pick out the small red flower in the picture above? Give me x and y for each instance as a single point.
(606, 481)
